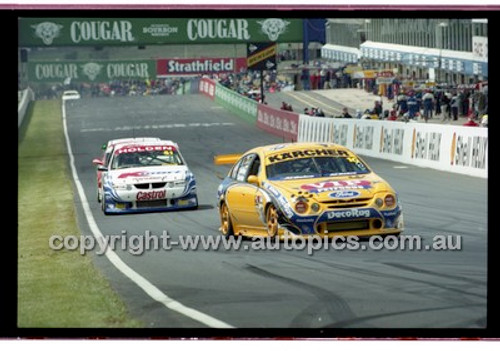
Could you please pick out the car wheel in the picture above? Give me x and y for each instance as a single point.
(99, 196)
(103, 204)
(272, 221)
(225, 220)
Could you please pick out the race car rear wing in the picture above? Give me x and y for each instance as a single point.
(227, 159)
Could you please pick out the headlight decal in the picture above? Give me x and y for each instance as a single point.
(304, 223)
(391, 217)
(280, 199)
(111, 192)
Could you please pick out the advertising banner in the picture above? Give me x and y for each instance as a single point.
(207, 88)
(280, 123)
(480, 48)
(90, 71)
(149, 31)
(242, 106)
(262, 56)
(450, 148)
(195, 66)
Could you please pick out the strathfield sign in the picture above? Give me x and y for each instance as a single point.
(193, 66)
(150, 31)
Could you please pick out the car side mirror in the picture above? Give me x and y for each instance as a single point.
(253, 179)
(102, 168)
(97, 162)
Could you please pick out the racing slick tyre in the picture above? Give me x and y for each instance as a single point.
(225, 220)
(103, 204)
(272, 221)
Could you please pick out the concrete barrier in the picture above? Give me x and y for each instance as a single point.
(445, 147)
(240, 105)
(280, 123)
(207, 87)
(27, 96)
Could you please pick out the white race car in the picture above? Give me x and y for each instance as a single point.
(106, 156)
(71, 95)
(145, 176)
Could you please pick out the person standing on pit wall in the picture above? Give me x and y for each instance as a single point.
(305, 79)
(412, 106)
(461, 98)
(316, 80)
(322, 78)
(445, 106)
(379, 101)
(466, 103)
(319, 112)
(454, 104)
(428, 101)
(484, 108)
(378, 108)
(439, 97)
(402, 103)
(345, 113)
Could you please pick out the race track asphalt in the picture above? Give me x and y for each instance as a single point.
(283, 288)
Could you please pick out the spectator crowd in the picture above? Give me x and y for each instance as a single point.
(410, 103)
(132, 87)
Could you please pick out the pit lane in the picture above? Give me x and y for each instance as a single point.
(283, 289)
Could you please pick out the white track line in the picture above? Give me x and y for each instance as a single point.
(155, 293)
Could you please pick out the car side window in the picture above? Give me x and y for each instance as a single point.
(234, 170)
(243, 169)
(107, 157)
(254, 169)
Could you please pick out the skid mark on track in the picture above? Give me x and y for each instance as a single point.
(459, 293)
(355, 321)
(329, 303)
(438, 274)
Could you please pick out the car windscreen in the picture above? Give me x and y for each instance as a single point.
(146, 158)
(315, 167)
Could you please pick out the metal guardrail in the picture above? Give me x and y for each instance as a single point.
(24, 99)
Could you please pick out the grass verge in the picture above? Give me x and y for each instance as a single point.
(55, 288)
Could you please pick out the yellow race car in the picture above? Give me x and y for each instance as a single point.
(305, 189)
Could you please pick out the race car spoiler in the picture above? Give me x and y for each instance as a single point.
(227, 159)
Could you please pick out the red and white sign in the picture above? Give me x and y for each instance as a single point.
(151, 195)
(195, 66)
(332, 185)
(281, 123)
(129, 149)
(207, 87)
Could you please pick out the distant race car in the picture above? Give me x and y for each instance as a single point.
(144, 175)
(305, 189)
(70, 95)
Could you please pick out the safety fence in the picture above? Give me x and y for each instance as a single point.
(24, 100)
(450, 148)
